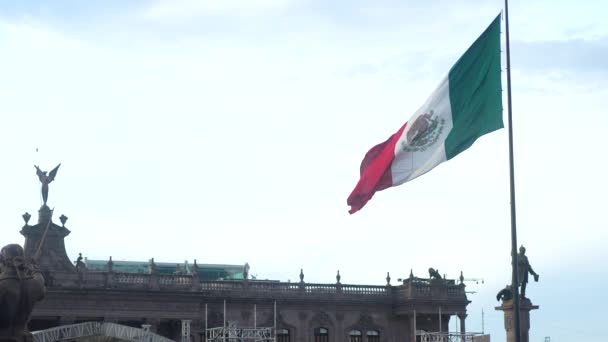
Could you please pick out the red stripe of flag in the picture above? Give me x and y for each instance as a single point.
(375, 172)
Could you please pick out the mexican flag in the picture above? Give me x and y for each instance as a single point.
(466, 105)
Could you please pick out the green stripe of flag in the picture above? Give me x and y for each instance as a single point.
(475, 92)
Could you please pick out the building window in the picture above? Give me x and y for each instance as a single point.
(355, 336)
(282, 335)
(373, 336)
(321, 335)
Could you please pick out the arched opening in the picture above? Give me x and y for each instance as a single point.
(355, 336)
(282, 335)
(373, 336)
(321, 335)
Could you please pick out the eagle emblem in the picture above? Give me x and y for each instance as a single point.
(423, 132)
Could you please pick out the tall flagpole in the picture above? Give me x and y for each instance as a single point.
(515, 281)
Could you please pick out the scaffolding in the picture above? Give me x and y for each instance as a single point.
(451, 337)
(230, 332)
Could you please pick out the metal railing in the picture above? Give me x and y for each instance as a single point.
(451, 337)
(232, 333)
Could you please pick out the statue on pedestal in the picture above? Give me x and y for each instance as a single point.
(46, 180)
(21, 286)
(524, 267)
(509, 305)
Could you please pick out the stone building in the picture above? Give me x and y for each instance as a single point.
(147, 293)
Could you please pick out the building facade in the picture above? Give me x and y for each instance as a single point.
(297, 311)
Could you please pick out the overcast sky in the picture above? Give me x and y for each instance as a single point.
(232, 131)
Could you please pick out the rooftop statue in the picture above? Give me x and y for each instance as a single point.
(79, 264)
(505, 294)
(46, 180)
(246, 271)
(21, 286)
(434, 274)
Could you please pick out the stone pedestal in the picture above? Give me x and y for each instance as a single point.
(524, 318)
(53, 257)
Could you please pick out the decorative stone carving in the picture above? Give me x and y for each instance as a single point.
(26, 217)
(365, 323)
(281, 324)
(63, 220)
(339, 316)
(321, 318)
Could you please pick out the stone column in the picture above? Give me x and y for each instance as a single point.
(413, 326)
(462, 317)
(302, 331)
(524, 318)
(340, 327)
(196, 329)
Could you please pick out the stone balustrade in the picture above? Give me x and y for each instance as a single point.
(415, 288)
(432, 288)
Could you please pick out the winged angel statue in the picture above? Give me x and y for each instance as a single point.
(45, 180)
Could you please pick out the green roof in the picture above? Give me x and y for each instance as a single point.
(206, 271)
